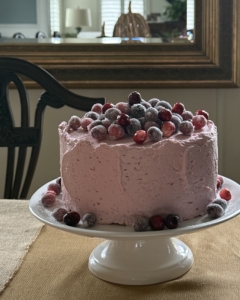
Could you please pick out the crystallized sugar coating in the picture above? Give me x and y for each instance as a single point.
(154, 134)
(154, 101)
(151, 114)
(92, 115)
(124, 107)
(138, 111)
(164, 104)
(117, 180)
(215, 210)
(99, 132)
(112, 113)
(134, 126)
(116, 132)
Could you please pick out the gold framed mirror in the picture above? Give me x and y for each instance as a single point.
(212, 60)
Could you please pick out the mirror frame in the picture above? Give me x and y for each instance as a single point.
(212, 61)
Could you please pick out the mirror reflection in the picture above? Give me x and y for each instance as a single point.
(72, 20)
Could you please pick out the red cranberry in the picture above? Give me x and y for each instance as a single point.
(134, 98)
(74, 122)
(123, 120)
(225, 194)
(165, 114)
(178, 108)
(106, 106)
(168, 128)
(156, 222)
(172, 221)
(203, 113)
(140, 136)
(72, 218)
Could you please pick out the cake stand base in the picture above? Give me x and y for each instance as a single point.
(140, 262)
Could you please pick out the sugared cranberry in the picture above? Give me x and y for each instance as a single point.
(106, 106)
(116, 132)
(54, 187)
(221, 202)
(48, 199)
(165, 114)
(86, 122)
(72, 218)
(172, 221)
(92, 115)
(168, 128)
(93, 124)
(124, 107)
(156, 222)
(123, 120)
(112, 113)
(215, 210)
(199, 121)
(203, 113)
(141, 224)
(178, 108)
(74, 122)
(149, 124)
(88, 220)
(225, 194)
(134, 98)
(187, 115)
(99, 132)
(59, 213)
(140, 136)
(97, 108)
(186, 127)
(154, 134)
(134, 126)
(153, 101)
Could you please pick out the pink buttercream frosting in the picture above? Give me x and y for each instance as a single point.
(119, 180)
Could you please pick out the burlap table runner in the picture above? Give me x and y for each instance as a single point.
(18, 230)
(56, 268)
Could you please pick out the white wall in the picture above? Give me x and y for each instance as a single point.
(223, 106)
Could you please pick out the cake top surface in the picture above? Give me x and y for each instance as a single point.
(137, 122)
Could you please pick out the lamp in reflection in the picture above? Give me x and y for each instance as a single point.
(78, 18)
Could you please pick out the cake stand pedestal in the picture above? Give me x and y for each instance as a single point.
(140, 262)
(138, 258)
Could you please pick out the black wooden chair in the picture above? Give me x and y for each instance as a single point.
(12, 71)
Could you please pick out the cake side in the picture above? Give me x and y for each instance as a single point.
(119, 180)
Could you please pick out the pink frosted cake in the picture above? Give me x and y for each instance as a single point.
(118, 178)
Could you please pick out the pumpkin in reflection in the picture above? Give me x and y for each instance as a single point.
(131, 25)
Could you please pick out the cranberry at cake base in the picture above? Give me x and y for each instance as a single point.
(120, 180)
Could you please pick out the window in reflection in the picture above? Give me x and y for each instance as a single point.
(165, 19)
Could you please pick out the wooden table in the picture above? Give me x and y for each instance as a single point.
(56, 267)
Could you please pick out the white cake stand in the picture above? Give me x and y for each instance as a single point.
(138, 258)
